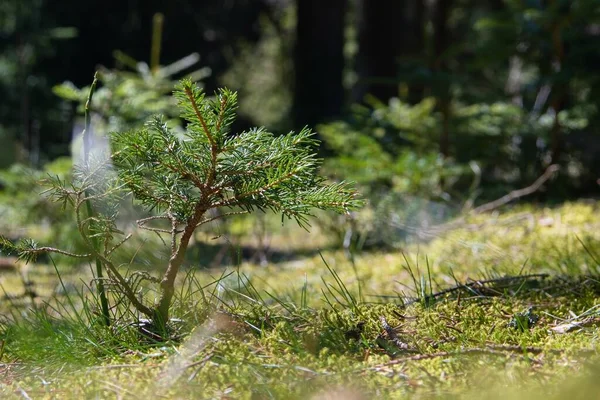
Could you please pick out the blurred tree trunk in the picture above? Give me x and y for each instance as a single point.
(319, 61)
(561, 87)
(390, 32)
(441, 42)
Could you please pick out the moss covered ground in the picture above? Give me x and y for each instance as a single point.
(501, 306)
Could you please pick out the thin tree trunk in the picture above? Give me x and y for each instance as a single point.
(416, 48)
(167, 284)
(560, 90)
(319, 61)
(441, 42)
(390, 33)
(380, 42)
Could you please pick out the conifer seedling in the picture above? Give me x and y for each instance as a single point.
(188, 181)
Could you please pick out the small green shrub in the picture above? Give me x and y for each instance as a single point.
(185, 180)
(126, 97)
(392, 152)
(131, 94)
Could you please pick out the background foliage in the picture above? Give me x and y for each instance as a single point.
(454, 102)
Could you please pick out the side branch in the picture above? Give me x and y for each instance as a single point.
(213, 144)
(124, 285)
(227, 214)
(209, 135)
(235, 199)
(58, 251)
(221, 113)
(516, 194)
(141, 223)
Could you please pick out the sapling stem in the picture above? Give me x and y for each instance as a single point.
(86, 136)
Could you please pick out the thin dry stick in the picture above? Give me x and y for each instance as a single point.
(473, 286)
(516, 194)
(392, 336)
(482, 284)
(200, 365)
(497, 351)
(124, 366)
(492, 205)
(519, 349)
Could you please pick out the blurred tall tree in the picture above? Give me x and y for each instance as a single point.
(442, 38)
(390, 38)
(319, 61)
(552, 74)
(32, 61)
(540, 56)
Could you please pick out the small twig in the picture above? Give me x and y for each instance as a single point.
(472, 286)
(141, 223)
(391, 334)
(154, 217)
(200, 365)
(59, 251)
(120, 366)
(158, 230)
(116, 246)
(493, 350)
(143, 275)
(207, 220)
(516, 194)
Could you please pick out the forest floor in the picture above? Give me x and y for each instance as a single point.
(501, 306)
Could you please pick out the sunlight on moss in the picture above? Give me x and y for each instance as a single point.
(294, 329)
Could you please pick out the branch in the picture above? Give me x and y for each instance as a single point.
(227, 214)
(490, 350)
(109, 252)
(236, 199)
(141, 223)
(126, 288)
(58, 251)
(158, 230)
(121, 281)
(516, 194)
(211, 139)
(209, 135)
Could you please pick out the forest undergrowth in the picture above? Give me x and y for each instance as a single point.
(505, 305)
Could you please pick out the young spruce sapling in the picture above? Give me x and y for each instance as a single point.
(184, 179)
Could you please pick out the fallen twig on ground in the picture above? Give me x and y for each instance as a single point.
(492, 350)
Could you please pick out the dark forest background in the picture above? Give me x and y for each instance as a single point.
(443, 98)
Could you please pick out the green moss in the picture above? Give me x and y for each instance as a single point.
(296, 330)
